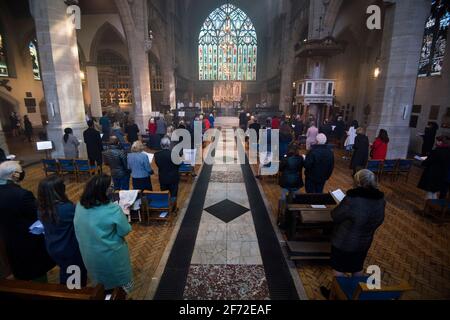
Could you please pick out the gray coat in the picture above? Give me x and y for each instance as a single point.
(71, 147)
(357, 218)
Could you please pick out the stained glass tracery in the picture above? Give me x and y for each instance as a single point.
(35, 59)
(227, 46)
(435, 39)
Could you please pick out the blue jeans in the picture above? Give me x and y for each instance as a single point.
(314, 187)
(121, 183)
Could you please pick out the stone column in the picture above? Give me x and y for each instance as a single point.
(94, 90)
(134, 19)
(60, 70)
(3, 143)
(401, 45)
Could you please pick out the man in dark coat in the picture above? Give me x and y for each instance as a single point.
(339, 130)
(291, 168)
(429, 138)
(168, 172)
(360, 151)
(243, 120)
(326, 129)
(26, 253)
(319, 165)
(132, 131)
(116, 159)
(94, 144)
(298, 127)
(434, 177)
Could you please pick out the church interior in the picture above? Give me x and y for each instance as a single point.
(225, 150)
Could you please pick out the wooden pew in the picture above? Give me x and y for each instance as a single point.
(27, 290)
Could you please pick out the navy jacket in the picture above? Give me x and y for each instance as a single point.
(60, 239)
(319, 164)
(291, 172)
(167, 170)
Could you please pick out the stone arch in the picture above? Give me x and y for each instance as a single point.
(98, 37)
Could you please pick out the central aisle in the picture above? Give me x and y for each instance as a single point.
(217, 254)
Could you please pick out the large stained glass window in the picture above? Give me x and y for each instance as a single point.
(435, 39)
(227, 47)
(3, 61)
(35, 59)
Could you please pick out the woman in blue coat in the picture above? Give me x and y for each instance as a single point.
(101, 227)
(56, 213)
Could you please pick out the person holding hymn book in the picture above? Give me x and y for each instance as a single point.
(141, 170)
(101, 228)
(56, 212)
(355, 220)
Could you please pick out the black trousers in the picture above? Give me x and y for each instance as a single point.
(172, 188)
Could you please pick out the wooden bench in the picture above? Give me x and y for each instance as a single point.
(28, 290)
(308, 250)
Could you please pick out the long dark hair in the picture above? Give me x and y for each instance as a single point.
(95, 192)
(383, 136)
(67, 131)
(355, 124)
(51, 191)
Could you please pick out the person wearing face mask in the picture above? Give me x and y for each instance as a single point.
(25, 252)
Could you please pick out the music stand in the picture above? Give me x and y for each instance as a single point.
(46, 146)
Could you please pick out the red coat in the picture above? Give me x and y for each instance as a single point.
(379, 150)
(152, 128)
(276, 123)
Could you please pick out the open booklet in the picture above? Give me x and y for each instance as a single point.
(420, 158)
(338, 195)
(150, 156)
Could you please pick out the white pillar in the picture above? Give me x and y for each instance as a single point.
(94, 90)
(401, 45)
(60, 71)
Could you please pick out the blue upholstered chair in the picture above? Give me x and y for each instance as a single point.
(404, 168)
(355, 288)
(376, 166)
(83, 166)
(67, 166)
(390, 168)
(50, 166)
(186, 169)
(154, 203)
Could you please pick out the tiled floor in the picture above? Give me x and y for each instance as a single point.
(226, 262)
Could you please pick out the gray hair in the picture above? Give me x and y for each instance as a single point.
(321, 139)
(165, 143)
(8, 168)
(365, 179)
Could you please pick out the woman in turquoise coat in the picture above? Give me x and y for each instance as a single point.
(101, 227)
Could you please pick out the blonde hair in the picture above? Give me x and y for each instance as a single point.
(365, 179)
(360, 130)
(137, 147)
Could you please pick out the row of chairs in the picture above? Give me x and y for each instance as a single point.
(69, 166)
(393, 168)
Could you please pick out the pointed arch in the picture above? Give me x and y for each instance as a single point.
(98, 37)
(227, 46)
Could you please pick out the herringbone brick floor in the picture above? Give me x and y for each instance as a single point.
(146, 243)
(408, 246)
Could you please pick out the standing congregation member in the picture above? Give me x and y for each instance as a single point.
(28, 128)
(378, 150)
(211, 120)
(56, 212)
(161, 127)
(117, 132)
(132, 131)
(106, 126)
(101, 228)
(94, 145)
(116, 159)
(140, 167)
(435, 175)
(15, 124)
(326, 129)
(70, 144)
(355, 221)
(339, 130)
(319, 165)
(311, 135)
(285, 139)
(276, 122)
(360, 151)
(351, 135)
(291, 172)
(151, 126)
(168, 172)
(429, 138)
(298, 127)
(26, 252)
(256, 126)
